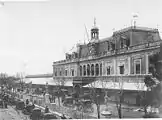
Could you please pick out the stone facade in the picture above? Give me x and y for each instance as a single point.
(126, 53)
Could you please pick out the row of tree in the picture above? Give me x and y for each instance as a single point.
(11, 82)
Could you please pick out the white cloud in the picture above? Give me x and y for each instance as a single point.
(42, 33)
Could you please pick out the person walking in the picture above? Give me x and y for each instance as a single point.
(46, 109)
(27, 102)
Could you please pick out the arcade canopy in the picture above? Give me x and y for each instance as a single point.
(116, 85)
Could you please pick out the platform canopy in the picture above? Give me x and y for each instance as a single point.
(116, 85)
(43, 81)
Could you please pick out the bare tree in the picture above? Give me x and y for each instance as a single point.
(8, 82)
(3, 79)
(60, 83)
(21, 78)
(119, 96)
(95, 95)
(140, 86)
(104, 84)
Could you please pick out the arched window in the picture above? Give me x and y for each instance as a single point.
(97, 69)
(72, 72)
(92, 69)
(55, 72)
(80, 70)
(122, 43)
(88, 69)
(101, 69)
(66, 72)
(60, 73)
(84, 70)
(127, 42)
(112, 46)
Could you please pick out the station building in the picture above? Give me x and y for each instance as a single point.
(120, 61)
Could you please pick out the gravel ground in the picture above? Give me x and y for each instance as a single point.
(12, 114)
(112, 108)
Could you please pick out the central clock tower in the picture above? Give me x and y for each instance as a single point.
(94, 32)
(92, 45)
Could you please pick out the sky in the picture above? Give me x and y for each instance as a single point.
(35, 34)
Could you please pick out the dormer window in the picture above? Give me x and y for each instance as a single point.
(128, 42)
(122, 43)
(108, 46)
(112, 46)
(75, 55)
(68, 56)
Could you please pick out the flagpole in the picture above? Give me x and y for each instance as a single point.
(134, 19)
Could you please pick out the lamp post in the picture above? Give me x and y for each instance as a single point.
(106, 101)
(47, 101)
(98, 105)
(46, 87)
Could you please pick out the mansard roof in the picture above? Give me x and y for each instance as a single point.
(136, 35)
(140, 35)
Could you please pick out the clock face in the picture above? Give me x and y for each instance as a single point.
(91, 48)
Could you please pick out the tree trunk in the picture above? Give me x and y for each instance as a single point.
(145, 110)
(98, 111)
(119, 111)
(118, 106)
(59, 101)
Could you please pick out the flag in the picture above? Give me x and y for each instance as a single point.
(135, 15)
